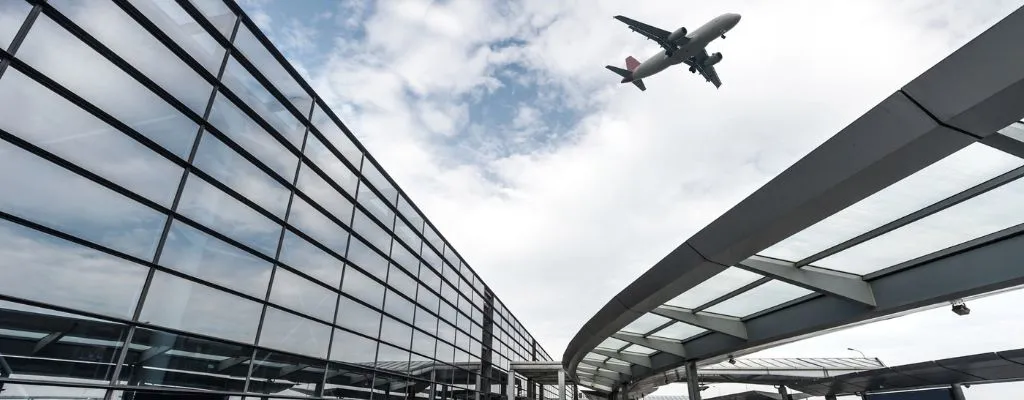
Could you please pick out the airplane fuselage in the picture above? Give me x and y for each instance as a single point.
(693, 46)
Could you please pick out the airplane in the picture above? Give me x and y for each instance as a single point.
(679, 47)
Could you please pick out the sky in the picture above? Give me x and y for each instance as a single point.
(559, 185)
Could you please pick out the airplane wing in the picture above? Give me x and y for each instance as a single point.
(708, 72)
(654, 33)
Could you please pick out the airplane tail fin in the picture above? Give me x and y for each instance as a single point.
(627, 76)
(632, 63)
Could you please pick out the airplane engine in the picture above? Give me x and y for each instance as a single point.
(713, 59)
(677, 35)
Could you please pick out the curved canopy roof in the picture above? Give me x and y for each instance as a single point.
(914, 204)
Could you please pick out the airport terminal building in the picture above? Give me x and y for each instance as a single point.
(181, 214)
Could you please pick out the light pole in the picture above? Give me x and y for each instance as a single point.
(861, 352)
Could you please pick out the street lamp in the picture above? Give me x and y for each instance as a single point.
(861, 352)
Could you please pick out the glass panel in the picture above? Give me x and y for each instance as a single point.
(269, 67)
(402, 282)
(159, 358)
(119, 32)
(87, 352)
(286, 375)
(399, 307)
(405, 233)
(230, 168)
(379, 182)
(409, 213)
(426, 321)
(1014, 131)
(197, 254)
(311, 260)
(446, 331)
(372, 232)
(717, 286)
(957, 172)
(183, 30)
(430, 279)
(49, 49)
(373, 204)
(19, 391)
(211, 207)
(331, 165)
(179, 304)
(292, 333)
(352, 348)
(32, 112)
(639, 349)
(405, 259)
(358, 318)
(350, 381)
(99, 214)
(12, 15)
(367, 258)
(362, 287)
(391, 358)
(308, 220)
(679, 331)
(759, 299)
(296, 293)
(613, 344)
(217, 13)
(432, 237)
(314, 186)
(395, 332)
(987, 213)
(241, 129)
(246, 87)
(646, 323)
(333, 133)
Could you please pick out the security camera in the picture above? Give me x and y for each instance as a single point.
(960, 308)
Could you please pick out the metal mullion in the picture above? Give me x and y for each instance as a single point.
(161, 36)
(934, 208)
(334, 150)
(18, 38)
(731, 294)
(330, 181)
(95, 111)
(660, 327)
(207, 25)
(277, 253)
(121, 63)
(328, 215)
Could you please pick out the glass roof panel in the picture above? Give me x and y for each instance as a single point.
(959, 171)
(616, 362)
(759, 299)
(1015, 131)
(679, 331)
(987, 213)
(646, 323)
(638, 349)
(612, 344)
(595, 357)
(717, 286)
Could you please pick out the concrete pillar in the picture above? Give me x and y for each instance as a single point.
(958, 392)
(692, 384)
(511, 388)
(784, 392)
(561, 384)
(575, 391)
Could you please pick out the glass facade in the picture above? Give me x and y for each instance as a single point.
(181, 213)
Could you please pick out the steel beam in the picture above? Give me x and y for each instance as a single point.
(846, 287)
(668, 346)
(622, 369)
(728, 326)
(630, 358)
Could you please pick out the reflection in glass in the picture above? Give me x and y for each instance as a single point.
(195, 253)
(357, 317)
(759, 299)
(297, 293)
(679, 331)
(167, 359)
(333, 133)
(310, 260)
(423, 344)
(395, 332)
(373, 234)
(286, 331)
(613, 344)
(717, 286)
(32, 112)
(957, 172)
(51, 49)
(1014, 131)
(183, 30)
(211, 207)
(391, 358)
(269, 67)
(227, 166)
(987, 213)
(12, 15)
(312, 222)
(430, 279)
(366, 258)
(241, 129)
(353, 349)
(313, 185)
(180, 304)
(86, 350)
(387, 191)
(20, 391)
(99, 215)
(426, 321)
(217, 13)
(402, 282)
(331, 165)
(286, 375)
(362, 287)
(254, 94)
(119, 32)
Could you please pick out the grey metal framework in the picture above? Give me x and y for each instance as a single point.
(916, 203)
(179, 211)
